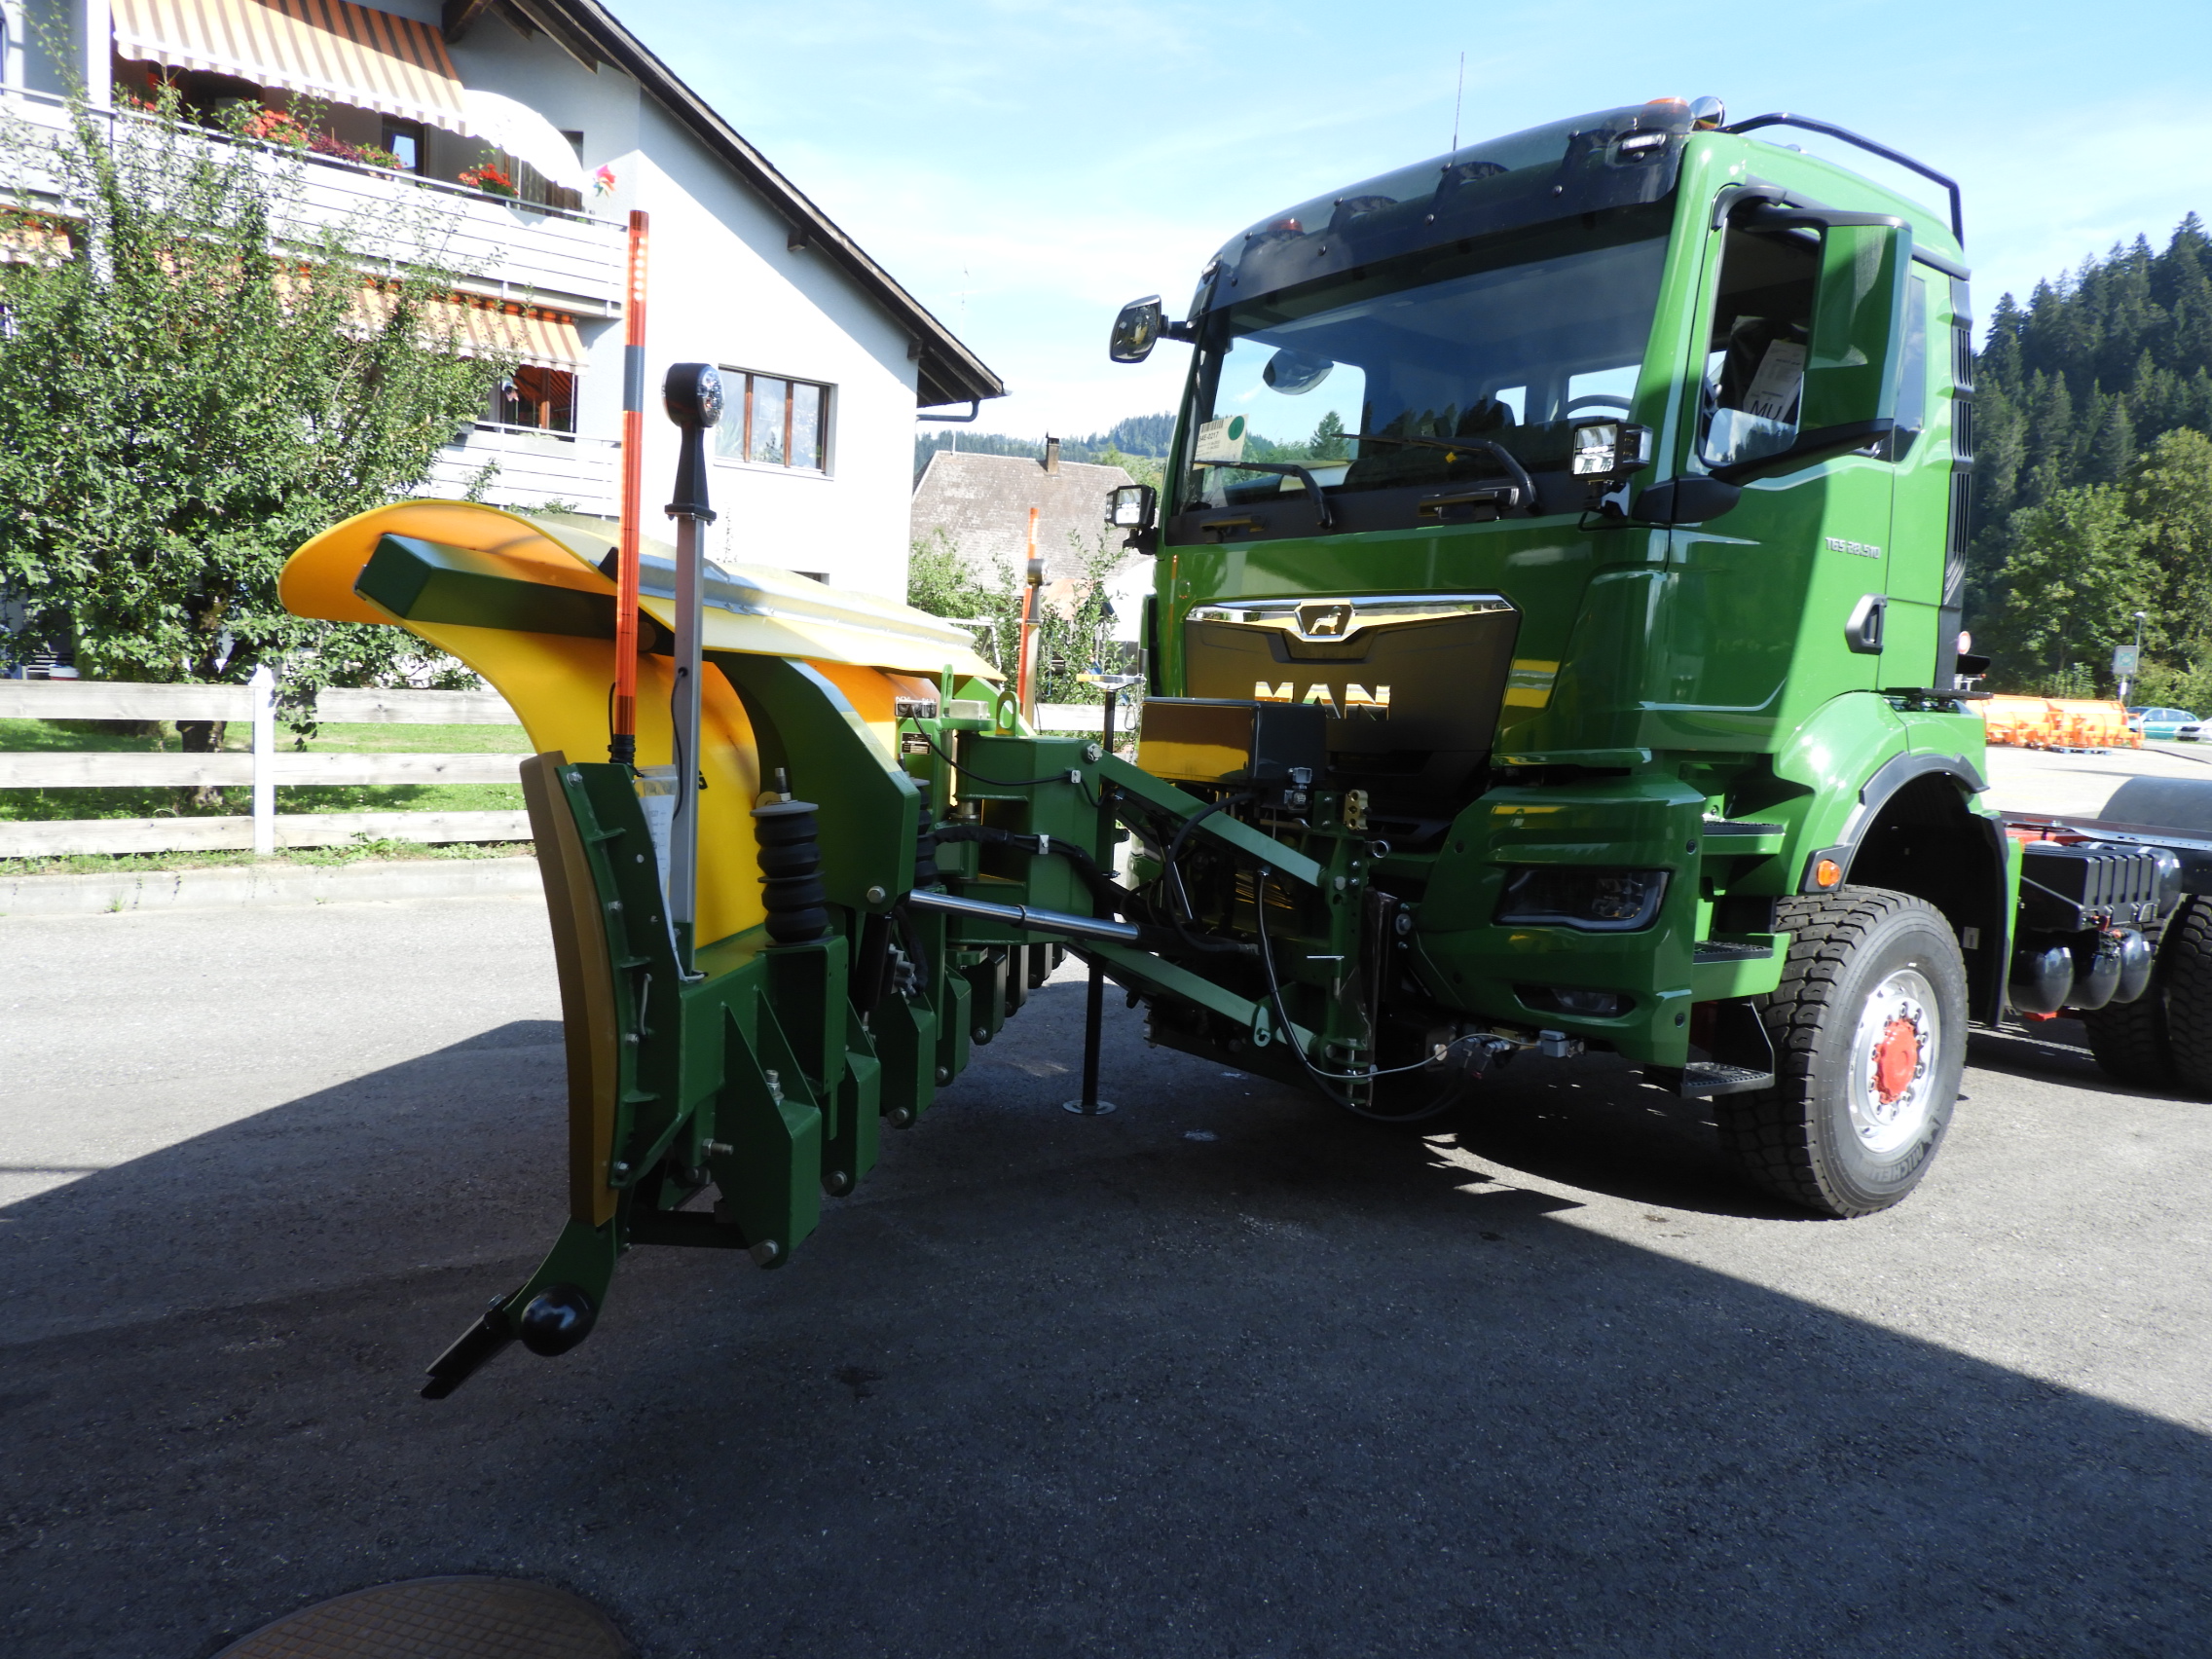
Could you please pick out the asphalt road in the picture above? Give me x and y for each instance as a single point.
(1225, 1373)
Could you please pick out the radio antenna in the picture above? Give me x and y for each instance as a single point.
(1459, 96)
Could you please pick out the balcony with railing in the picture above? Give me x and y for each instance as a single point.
(534, 468)
(500, 246)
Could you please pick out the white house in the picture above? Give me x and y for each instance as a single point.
(824, 357)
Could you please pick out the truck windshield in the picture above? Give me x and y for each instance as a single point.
(1366, 378)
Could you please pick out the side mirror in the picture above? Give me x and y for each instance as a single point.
(1857, 336)
(1692, 499)
(1137, 330)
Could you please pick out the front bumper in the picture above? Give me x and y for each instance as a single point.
(1471, 961)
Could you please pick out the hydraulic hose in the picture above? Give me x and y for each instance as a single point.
(1327, 1079)
(1171, 859)
(1109, 895)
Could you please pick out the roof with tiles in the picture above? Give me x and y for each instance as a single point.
(981, 502)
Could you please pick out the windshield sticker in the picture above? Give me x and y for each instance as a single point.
(1222, 439)
(1773, 392)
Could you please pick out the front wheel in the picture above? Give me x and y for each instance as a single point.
(1869, 1028)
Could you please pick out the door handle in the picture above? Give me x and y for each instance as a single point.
(1864, 632)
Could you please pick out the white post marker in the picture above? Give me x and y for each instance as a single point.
(262, 688)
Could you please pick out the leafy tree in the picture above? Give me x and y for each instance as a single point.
(1146, 435)
(1073, 637)
(941, 581)
(202, 383)
(1141, 469)
(2169, 496)
(2078, 572)
(1073, 630)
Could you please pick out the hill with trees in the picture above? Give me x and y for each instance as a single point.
(2093, 474)
(1139, 437)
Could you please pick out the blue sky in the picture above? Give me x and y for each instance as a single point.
(1024, 168)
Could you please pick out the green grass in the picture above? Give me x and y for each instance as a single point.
(109, 737)
(360, 850)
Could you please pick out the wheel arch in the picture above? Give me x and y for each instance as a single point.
(1914, 830)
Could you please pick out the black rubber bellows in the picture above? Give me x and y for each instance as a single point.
(790, 870)
(926, 872)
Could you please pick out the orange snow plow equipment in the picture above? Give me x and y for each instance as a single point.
(2060, 722)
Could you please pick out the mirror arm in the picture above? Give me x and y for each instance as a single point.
(1768, 216)
(1742, 198)
(1854, 435)
(975, 408)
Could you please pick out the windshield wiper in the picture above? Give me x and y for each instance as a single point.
(1286, 469)
(1496, 452)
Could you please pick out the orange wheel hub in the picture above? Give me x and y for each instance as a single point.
(1897, 1059)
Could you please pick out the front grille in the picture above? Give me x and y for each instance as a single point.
(1411, 686)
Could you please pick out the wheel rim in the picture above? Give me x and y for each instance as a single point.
(1893, 1061)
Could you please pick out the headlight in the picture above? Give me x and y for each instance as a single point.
(1596, 900)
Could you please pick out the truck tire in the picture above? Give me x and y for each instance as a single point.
(2131, 1041)
(1870, 1032)
(2182, 987)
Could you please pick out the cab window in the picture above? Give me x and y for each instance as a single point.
(1912, 366)
(1755, 366)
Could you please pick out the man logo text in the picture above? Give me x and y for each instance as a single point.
(1358, 700)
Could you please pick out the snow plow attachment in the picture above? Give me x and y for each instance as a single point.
(719, 1083)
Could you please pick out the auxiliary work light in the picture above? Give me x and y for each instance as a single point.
(1610, 449)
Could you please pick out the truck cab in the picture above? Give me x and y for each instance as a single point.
(1604, 487)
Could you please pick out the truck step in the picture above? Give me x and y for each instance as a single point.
(1710, 1076)
(1729, 950)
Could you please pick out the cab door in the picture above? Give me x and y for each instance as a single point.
(1927, 558)
(1781, 601)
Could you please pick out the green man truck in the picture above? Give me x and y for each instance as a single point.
(1624, 566)
(1553, 650)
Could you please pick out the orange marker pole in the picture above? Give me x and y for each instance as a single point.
(622, 734)
(1025, 678)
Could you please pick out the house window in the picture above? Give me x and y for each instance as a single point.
(534, 396)
(404, 140)
(774, 422)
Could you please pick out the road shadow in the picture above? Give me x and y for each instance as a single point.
(2058, 1052)
(1225, 1373)
(452, 1155)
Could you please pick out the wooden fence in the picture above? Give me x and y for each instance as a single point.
(265, 766)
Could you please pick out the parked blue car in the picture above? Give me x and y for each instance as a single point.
(2172, 723)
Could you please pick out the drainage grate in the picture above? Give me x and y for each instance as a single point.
(441, 1618)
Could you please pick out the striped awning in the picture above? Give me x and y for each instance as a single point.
(327, 49)
(29, 238)
(476, 327)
